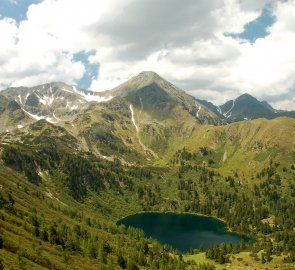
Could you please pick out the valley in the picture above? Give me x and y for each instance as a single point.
(74, 163)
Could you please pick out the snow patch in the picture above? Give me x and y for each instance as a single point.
(71, 108)
(146, 149)
(90, 97)
(219, 110)
(27, 97)
(35, 116)
(75, 107)
(45, 100)
(50, 99)
(58, 119)
(20, 100)
(199, 111)
(227, 115)
(66, 90)
(132, 118)
(74, 88)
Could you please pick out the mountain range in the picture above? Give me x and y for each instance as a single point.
(73, 162)
(58, 102)
(145, 118)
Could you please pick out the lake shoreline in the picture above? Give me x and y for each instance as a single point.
(228, 229)
(182, 230)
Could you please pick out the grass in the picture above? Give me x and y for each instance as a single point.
(201, 258)
(242, 261)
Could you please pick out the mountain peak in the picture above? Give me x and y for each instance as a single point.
(139, 81)
(149, 74)
(150, 91)
(246, 96)
(146, 78)
(246, 107)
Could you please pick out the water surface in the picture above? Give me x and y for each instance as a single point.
(183, 231)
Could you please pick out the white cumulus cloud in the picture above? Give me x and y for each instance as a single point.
(185, 42)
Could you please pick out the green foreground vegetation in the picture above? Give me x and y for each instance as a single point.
(63, 188)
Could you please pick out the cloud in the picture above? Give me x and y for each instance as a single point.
(143, 27)
(287, 104)
(266, 66)
(185, 42)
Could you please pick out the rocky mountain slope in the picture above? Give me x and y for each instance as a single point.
(141, 117)
(148, 91)
(55, 102)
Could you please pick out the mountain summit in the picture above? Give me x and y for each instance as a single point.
(142, 80)
(247, 107)
(151, 92)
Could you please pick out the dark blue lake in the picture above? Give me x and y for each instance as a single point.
(183, 231)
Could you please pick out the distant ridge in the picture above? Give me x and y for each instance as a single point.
(247, 107)
(58, 102)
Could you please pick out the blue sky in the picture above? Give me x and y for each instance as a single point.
(91, 70)
(257, 28)
(16, 9)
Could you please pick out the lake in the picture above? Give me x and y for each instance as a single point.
(183, 231)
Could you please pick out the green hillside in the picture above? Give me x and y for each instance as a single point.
(65, 184)
(59, 203)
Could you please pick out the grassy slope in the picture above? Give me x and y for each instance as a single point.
(248, 144)
(20, 245)
(242, 261)
(22, 250)
(253, 143)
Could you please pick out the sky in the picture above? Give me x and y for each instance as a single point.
(215, 50)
